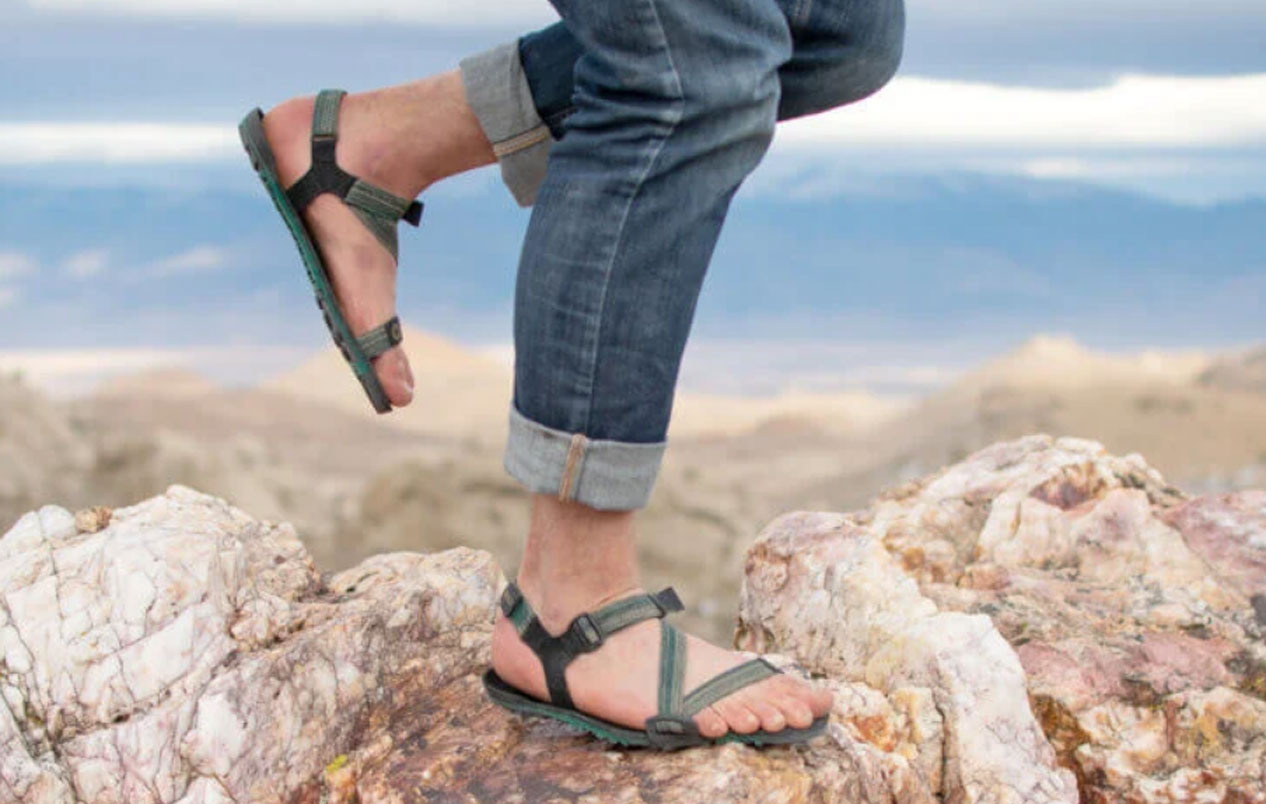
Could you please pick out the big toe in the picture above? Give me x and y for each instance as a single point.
(395, 375)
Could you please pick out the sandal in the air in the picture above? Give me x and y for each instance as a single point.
(378, 209)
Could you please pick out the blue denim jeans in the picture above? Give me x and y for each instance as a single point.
(628, 127)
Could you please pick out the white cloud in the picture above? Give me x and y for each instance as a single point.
(14, 264)
(1135, 111)
(72, 371)
(85, 264)
(1077, 10)
(7, 296)
(115, 143)
(197, 260)
(488, 13)
(507, 13)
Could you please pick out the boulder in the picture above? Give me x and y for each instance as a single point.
(1042, 622)
(181, 651)
(1051, 596)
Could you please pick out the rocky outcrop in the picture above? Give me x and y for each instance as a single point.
(186, 652)
(1129, 616)
(1043, 622)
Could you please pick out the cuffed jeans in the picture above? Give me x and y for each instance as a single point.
(628, 127)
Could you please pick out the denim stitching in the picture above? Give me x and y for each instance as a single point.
(678, 114)
(574, 453)
(518, 142)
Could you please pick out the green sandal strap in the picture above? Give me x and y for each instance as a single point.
(672, 669)
(726, 683)
(325, 112)
(585, 634)
(670, 728)
(596, 626)
(381, 338)
(674, 725)
(378, 209)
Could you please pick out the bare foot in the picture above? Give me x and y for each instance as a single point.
(403, 139)
(619, 681)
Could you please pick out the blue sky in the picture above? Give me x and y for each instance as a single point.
(1152, 113)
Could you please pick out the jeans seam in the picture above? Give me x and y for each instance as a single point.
(575, 453)
(524, 139)
(677, 116)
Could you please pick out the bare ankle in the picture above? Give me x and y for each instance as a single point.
(576, 559)
(419, 133)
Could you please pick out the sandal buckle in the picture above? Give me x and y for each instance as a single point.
(670, 732)
(510, 597)
(413, 213)
(585, 627)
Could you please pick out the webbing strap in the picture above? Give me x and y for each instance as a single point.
(586, 632)
(381, 338)
(377, 201)
(722, 684)
(672, 669)
(377, 208)
(325, 112)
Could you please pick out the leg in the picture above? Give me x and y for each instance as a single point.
(404, 139)
(675, 104)
(842, 52)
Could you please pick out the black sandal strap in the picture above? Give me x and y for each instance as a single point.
(377, 208)
(585, 634)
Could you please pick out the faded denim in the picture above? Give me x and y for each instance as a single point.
(628, 127)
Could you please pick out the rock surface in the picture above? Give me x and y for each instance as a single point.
(1043, 622)
(1130, 616)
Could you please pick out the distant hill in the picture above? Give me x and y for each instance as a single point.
(170, 382)
(457, 392)
(1240, 371)
(461, 393)
(1061, 362)
(1153, 403)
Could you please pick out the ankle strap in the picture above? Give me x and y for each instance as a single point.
(586, 632)
(377, 208)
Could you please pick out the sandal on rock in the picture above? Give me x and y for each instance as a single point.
(673, 727)
(378, 209)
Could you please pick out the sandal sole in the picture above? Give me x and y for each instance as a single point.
(251, 131)
(514, 700)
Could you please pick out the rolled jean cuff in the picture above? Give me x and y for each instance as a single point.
(600, 473)
(498, 92)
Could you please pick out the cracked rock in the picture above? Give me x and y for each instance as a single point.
(1042, 622)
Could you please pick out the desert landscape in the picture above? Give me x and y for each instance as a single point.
(303, 448)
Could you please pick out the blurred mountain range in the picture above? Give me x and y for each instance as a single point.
(305, 447)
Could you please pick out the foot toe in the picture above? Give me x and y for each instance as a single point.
(710, 723)
(393, 372)
(796, 711)
(771, 717)
(821, 700)
(739, 716)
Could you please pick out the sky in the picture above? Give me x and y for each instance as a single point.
(1126, 102)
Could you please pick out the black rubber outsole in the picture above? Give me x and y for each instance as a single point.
(514, 700)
